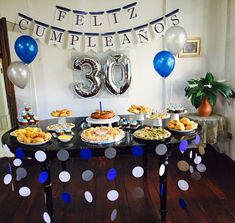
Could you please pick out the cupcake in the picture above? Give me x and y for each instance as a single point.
(27, 108)
(20, 121)
(133, 123)
(24, 114)
(59, 132)
(31, 121)
(67, 130)
(25, 122)
(36, 120)
(125, 122)
(31, 114)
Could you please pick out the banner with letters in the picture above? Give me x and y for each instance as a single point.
(85, 32)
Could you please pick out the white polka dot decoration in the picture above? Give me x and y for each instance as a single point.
(110, 153)
(191, 169)
(183, 185)
(138, 172)
(197, 159)
(162, 170)
(112, 195)
(7, 179)
(191, 154)
(88, 196)
(40, 156)
(64, 176)
(161, 149)
(201, 167)
(46, 217)
(17, 162)
(113, 215)
(87, 175)
(24, 191)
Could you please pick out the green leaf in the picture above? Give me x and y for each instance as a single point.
(212, 98)
(209, 78)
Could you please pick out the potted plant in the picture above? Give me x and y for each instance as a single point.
(203, 93)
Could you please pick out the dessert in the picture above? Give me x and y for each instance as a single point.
(159, 116)
(60, 126)
(31, 136)
(105, 114)
(151, 133)
(27, 117)
(183, 124)
(61, 113)
(102, 134)
(139, 109)
(133, 123)
(176, 108)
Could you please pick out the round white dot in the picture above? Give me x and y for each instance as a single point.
(87, 175)
(191, 169)
(40, 156)
(201, 167)
(197, 159)
(88, 196)
(46, 217)
(64, 176)
(183, 185)
(138, 171)
(110, 153)
(24, 191)
(112, 195)
(17, 162)
(162, 170)
(161, 149)
(7, 179)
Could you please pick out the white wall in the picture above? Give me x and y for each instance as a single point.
(52, 74)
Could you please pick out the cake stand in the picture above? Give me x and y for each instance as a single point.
(176, 116)
(109, 121)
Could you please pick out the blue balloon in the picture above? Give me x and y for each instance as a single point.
(26, 48)
(164, 63)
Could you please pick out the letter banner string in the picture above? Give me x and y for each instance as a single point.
(95, 41)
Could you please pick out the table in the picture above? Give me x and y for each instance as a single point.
(52, 147)
(212, 126)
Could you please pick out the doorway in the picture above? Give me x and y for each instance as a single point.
(7, 90)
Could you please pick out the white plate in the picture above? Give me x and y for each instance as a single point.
(34, 144)
(182, 131)
(60, 126)
(103, 121)
(106, 141)
(149, 117)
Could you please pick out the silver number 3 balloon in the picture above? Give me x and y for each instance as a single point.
(92, 70)
(117, 84)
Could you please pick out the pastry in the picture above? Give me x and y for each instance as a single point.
(102, 134)
(61, 113)
(139, 109)
(182, 124)
(105, 114)
(159, 116)
(133, 123)
(151, 133)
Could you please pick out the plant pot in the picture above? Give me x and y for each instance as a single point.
(205, 109)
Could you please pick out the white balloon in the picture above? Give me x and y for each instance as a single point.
(175, 38)
(18, 73)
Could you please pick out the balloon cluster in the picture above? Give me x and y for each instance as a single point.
(174, 40)
(26, 49)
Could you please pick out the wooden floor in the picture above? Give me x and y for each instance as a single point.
(212, 199)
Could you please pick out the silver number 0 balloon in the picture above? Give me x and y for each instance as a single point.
(93, 76)
(119, 60)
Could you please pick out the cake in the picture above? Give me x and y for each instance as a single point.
(105, 114)
(176, 108)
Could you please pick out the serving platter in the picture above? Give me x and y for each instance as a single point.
(105, 141)
(183, 131)
(90, 120)
(34, 144)
(60, 126)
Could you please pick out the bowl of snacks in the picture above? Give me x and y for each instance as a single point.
(65, 138)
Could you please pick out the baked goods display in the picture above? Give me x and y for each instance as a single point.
(176, 108)
(27, 117)
(31, 136)
(159, 116)
(184, 125)
(61, 113)
(151, 133)
(105, 114)
(139, 109)
(102, 134)
(65, 127)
